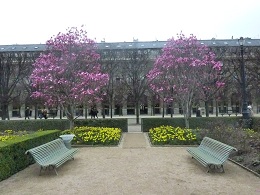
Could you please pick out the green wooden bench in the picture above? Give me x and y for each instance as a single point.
(211, 153)
(52, 154)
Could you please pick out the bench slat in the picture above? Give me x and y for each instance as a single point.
(52, 154)
(211, 152)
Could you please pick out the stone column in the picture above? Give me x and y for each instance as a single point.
(124, 111)
(23, 111)
(32, 110)
(10, 111)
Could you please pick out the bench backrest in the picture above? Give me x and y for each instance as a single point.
(48, 151)
(217, 149)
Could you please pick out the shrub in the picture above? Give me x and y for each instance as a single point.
(195, 122)
(172, 136)
(12, 151)
(61, 124)
(233, 135)
(95, 135)
(113, 123)
(256, 124)
(34, 125)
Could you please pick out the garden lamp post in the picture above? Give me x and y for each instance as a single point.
(245, 111)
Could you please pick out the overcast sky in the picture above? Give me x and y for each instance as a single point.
(35, 21)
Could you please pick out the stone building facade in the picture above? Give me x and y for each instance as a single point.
(121, 54)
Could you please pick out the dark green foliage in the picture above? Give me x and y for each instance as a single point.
(61, 124)
(114, 123)
(256, 124)
(229, 134)
(195, 122)
(149, 123)
(34, 125)
(200, 122)
(12, 155)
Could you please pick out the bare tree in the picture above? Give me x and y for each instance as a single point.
(232, 71)
(109, 64)
(14, 67)
(134, 68)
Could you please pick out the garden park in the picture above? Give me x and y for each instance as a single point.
(118, 156)
(68, 74)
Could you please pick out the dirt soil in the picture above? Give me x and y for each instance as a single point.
(134, 167)
(249, 159)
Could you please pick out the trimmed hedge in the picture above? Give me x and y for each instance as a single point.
(195, 122)
(61, 124)
(256, 124)
(34, 125)
(148, 123)
(113, 123)
(12, 153)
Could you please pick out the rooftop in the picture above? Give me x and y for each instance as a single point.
(136, 45)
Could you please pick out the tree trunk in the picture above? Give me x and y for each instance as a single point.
(71, 124)
(216, 108)
(61, 113)
(5, 113)
(111, 110)
(86, 112)
(186, 114)
(187, 123)
(190, 110)
(163, 110)
(36, 111)
(171, 110)
(103, 111)
(70, 115)
(137, 109)
(207, 108)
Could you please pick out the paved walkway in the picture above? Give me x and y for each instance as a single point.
(134, 140)
(133, 168)
(129, 170)
(132, 126)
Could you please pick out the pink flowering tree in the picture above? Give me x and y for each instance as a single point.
(68, 73)
(183, 71)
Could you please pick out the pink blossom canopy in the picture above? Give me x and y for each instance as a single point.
(68, 72)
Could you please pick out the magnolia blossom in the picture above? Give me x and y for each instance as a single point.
(68, 73)
(185, 69)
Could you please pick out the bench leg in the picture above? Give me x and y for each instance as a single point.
(209, 167)
(215, 167)
(222, 168)
(41, 170)
(54, 168)
(55, 171)
(51, 167)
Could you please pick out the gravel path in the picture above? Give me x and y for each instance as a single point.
(132, 168)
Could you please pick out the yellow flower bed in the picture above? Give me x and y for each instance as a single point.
(10, 134)
(171, 135)
(6, 135)
(95, 135)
